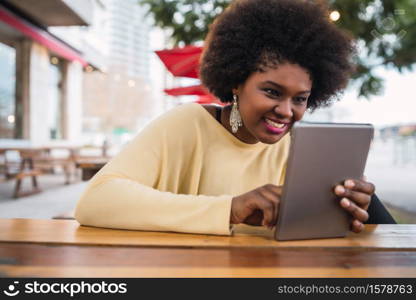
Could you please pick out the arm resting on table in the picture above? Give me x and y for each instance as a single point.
(126, 204)
(131, 191)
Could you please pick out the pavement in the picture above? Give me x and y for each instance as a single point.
(393, 174)
(56, 198)
(393, 171)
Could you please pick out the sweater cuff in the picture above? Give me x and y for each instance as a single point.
(224, 226)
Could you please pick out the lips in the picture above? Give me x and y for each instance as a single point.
(274, 123)
(275, 127)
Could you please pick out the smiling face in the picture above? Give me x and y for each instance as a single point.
(271, 101)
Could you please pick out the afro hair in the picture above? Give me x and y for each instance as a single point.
(253, 35)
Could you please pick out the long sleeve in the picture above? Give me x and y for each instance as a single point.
(143, 187)
(126, 204)
(179, 174)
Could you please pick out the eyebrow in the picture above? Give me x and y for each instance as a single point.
(283, 88)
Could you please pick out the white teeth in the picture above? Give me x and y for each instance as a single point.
(274, 124)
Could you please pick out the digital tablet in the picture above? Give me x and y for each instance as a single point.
(321, 156)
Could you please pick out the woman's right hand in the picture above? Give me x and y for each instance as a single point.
(257, 207)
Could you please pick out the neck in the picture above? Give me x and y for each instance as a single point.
(242, 133)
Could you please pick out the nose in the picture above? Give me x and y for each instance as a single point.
(284, 109)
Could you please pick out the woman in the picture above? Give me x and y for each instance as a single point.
(201, 169)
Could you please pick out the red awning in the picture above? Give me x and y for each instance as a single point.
(209, 99)
(198, 90)
(41, 36)
(182, 62)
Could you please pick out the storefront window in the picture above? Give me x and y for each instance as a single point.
(55, 116)
(7, 92)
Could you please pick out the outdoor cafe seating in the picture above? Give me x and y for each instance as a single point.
(31, 162)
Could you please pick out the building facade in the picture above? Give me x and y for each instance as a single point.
(128, 37)
(40, 75)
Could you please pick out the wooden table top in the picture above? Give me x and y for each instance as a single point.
(62, 248)
(38, 148)
(91, 162)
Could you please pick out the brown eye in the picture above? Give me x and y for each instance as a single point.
(272, 92)
(300, 100)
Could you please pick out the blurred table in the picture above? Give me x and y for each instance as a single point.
(62, 248)
(90, 166)
(32, 160)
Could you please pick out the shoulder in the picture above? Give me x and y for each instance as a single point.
(180, 128)
(200, 115)
(183, 121)
(181, 114)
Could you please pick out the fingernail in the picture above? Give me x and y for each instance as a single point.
(345, 202)
(339, 189)
(349, 184)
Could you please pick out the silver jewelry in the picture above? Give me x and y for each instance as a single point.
(235, 117)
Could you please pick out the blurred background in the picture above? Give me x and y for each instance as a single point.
(80, 78)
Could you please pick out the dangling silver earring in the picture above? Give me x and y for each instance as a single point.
(235, 117)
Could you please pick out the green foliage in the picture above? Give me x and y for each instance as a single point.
(385, 31)
(186, 20)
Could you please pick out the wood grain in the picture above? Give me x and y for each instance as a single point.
(149, 272)
(68, 232)
(34, 260)
(62, 248)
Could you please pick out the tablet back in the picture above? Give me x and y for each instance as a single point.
(322, 155)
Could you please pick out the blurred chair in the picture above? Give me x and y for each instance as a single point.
(52, 157)
(17, 168)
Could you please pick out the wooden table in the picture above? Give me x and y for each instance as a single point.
(33, 158)
(90, 166)
(25, 169)
(62, 248)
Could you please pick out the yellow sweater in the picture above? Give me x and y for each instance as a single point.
(180, 174)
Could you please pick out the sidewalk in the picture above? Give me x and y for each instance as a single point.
(56, 198)
(395, 179)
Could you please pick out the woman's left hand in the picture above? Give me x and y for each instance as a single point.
(356, 197)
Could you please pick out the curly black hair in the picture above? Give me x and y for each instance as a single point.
(252, 35)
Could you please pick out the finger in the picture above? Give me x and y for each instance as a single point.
(361, 199)
(275, 189)
(255, 219)
(268, 211)
(275, 213)
(269, 195)
(357, 226)
(356, 211)
(360, 186)
(272, 193)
